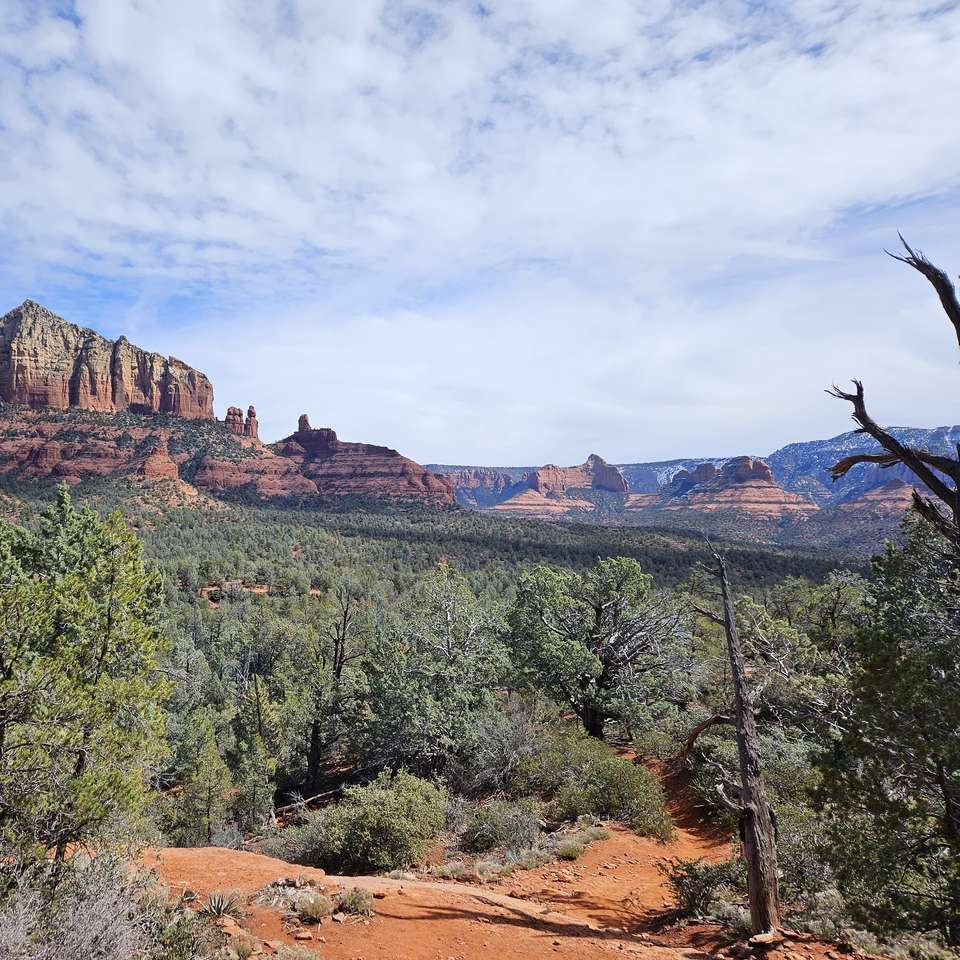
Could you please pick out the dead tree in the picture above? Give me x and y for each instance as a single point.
(939, 474)
(752, 809)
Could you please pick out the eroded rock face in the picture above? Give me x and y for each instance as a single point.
(550, 491)
(251, 428)
(339, 468)
(79, 444)
(47, 362)
(893, 497)
(234, 420)
(742, 485)
(235, 423)
(595, 474)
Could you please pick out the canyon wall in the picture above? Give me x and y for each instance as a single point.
(46, 362)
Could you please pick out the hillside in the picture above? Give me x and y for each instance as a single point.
(77, 406)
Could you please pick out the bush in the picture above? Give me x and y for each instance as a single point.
(570, 848)
(697, 885)
(357, 901)
(559, 757)
(383, 826)
(99, 910)
(503, 824)
(617, 790)
(313, 907)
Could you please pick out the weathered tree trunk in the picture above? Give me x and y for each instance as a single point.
(593, 721)
(313, 752)
(756, 818)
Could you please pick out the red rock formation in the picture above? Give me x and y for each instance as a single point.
(743, 485)
(48, 366)
(893, 497)
(158, 464)
(594, 474)
(495, 481)
(38, 444)
(546, 491)
(47, 362)
(252, 428)
(234, 420)
(529, 502)
(268, 474)
(339, 468)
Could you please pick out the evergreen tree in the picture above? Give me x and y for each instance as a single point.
(80, 690)
(897, 849)
(253, 803)
(585, 638)
(204, 805)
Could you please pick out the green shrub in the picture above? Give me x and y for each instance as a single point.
(356, 901)
(382, 826)
(313, 907)
(559, 758)
(503, 824)
(696, 885)
(570, 848)
(616, 790)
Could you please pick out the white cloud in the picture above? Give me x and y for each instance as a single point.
(515, 231)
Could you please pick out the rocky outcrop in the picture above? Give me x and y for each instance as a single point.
(551, 491)
(477, 487)
(234, 422)
(743, 485)
(595, 474)
(892, 497)
(47, 362)
(341, 469)
(79, 445)
(266, 474)
(251, 428)
(157, 464)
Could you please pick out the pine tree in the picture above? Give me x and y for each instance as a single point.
(80, 690)
(204, 804)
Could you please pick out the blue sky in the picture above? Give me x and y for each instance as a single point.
(514, 232)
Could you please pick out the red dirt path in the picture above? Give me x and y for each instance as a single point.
(611, 902)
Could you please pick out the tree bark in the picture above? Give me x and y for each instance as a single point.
(593, 721)
(756, 817)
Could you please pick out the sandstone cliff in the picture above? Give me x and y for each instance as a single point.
(77, 444)
(743, 485)
(595, 474)
(47, 362)
(551, 491)
(339, 468)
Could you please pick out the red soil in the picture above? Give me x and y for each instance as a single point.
(612, 902)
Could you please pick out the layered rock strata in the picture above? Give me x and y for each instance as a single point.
(46, 362)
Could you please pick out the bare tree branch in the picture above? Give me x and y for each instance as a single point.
(938, 279)
(700, 728)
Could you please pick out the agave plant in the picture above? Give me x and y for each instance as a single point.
(220, 904)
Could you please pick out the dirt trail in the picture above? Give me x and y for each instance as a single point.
(610, 902)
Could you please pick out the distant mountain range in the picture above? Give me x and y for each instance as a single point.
(786, 497)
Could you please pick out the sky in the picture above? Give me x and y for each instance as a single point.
(506, 232)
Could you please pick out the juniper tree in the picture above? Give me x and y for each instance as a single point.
(585, 638)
